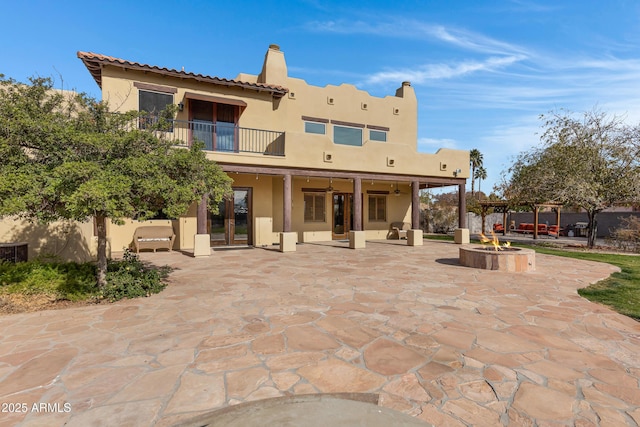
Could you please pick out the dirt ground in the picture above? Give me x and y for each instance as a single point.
(18, 303)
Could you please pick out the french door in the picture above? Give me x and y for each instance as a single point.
(232, 224)
(342, 215)
(214, 124)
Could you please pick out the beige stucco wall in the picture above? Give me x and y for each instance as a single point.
(187, 228)
(121, 236)
(66, 240)
(345, 103)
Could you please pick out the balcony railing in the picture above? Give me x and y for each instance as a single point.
(226, 137)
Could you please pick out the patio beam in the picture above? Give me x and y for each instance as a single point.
(366, 176)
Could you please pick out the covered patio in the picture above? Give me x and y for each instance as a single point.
(358, 187)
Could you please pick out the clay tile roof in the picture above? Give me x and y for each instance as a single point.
(95, 61)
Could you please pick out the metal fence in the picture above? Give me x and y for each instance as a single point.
(226, 137)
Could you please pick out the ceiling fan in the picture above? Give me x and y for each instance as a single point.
(397, 191)
(329, 189)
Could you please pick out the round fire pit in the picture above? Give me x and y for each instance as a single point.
(507, 259)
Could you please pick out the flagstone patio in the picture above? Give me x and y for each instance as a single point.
(450, 345)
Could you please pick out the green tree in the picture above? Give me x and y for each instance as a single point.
(480, 174)
(591, 162)
(67, 157)
(475, 160)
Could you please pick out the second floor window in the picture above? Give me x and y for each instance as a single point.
(153, 104)
(377, 135)
(313, 127)
(347, 135)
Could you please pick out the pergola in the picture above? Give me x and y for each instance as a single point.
(503, 206)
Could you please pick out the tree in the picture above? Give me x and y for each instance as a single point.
(476, 161)
(442, 212)
(67, 157)
(480, 174)
(591, 162)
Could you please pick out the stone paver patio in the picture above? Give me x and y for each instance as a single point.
(451, 345)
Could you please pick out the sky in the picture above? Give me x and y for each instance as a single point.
(483, 70)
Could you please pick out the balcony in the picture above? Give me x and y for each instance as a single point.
(226, 137)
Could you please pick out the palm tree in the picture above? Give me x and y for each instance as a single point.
(475, 160)
(480, 174)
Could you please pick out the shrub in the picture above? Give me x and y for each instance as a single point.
(627, 237)
(126, 278)
(130, 278)
(58, 280)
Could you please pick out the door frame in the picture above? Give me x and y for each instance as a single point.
(213, 122)
(348, 215)
(229, 221)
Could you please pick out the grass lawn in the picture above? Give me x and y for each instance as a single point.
(621, 291)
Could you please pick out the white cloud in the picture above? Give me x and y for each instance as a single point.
(406, 28)
(424, 73)
(472, 41)
(431, 145)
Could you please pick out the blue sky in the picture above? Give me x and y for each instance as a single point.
(483, 71)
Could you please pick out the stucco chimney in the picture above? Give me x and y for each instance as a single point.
(405, 91)
(274, 69)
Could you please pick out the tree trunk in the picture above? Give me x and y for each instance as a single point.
(592, 229)
(101, 225)
(473, 181)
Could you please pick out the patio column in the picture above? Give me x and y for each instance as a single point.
(357, 204)
(415, 205)
(202, 215)
(536, 212)
(286, 217)
(202, 240)
(462, 206)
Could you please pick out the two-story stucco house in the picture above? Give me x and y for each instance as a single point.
(315, 161)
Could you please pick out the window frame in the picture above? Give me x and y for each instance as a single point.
(377, 131)
(314, 121)
(153, 117)
(342, 126)
(315, 196)
(309, 122)
(373, 213)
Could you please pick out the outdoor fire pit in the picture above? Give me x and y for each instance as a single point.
(496, 257)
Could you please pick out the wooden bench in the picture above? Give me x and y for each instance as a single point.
(153, 237)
